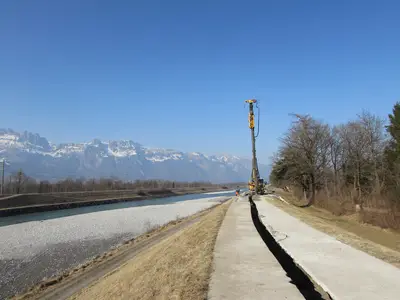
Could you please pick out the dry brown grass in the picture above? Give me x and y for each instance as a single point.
(177, 268)
(381, 243)
(376, 210)
(381, 212)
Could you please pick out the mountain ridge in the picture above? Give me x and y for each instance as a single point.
(125, 159)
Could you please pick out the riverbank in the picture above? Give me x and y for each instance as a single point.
(43, 248)
(32, 203)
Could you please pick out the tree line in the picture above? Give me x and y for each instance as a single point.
(20, 183)
(356, 162)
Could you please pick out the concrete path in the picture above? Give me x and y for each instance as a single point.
(344, 272)
(244, 268)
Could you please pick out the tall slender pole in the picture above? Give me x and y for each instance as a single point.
(253, 145)
(254, 172)
(2, 176)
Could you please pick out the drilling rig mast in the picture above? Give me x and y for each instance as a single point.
(256, 184)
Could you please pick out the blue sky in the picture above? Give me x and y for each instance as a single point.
(175, 74)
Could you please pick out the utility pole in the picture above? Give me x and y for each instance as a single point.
(2, 176)
(254, 172)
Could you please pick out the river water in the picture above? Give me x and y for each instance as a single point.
(41, 245)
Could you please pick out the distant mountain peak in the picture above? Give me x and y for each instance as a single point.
(125, 159)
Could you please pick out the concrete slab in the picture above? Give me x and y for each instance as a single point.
(344, 272)
(244, 268)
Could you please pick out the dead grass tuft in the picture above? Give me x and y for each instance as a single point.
(384, 219)
(177, 268)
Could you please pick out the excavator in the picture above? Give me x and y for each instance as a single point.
(256, 184)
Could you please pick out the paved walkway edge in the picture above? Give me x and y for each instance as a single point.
(243, 266)
(342, 271)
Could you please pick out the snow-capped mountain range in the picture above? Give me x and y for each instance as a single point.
(123, 159)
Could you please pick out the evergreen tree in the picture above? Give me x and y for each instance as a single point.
(393, 149)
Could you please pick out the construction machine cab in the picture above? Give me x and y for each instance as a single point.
(258, 188)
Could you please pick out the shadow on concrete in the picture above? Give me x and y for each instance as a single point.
(296, 274)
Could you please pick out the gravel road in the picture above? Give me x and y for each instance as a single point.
(34, 250)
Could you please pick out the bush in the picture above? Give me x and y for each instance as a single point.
(141, 193)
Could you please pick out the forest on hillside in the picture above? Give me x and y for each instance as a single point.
(355, 165)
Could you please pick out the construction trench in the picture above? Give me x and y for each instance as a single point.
(297, 275)
(249, 262)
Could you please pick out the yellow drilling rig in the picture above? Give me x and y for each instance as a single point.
(256, 184)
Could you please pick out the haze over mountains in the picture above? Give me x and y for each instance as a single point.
(124, 159)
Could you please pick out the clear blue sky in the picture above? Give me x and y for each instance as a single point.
(175, 73)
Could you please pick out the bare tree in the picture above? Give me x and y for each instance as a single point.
(19, 181)
(315, 157)
(306, 147)
(373, 128)
(337, 157)
(355, 143)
